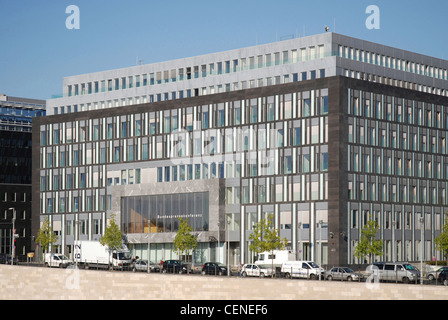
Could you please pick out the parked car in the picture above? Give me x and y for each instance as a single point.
(142, 265)
(256, 270)
(443, 277)
(174, 266)
(215, 268)
(5, 258)
(343, 273)
(435, 274)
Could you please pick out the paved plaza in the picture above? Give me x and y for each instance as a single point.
(36, 283)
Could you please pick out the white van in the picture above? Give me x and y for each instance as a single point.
(395, 271)
(277, 256)
(302, 269)
(56, 260)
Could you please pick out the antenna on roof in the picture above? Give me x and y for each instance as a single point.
(138, 61)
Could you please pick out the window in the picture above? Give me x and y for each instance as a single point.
(306, 107)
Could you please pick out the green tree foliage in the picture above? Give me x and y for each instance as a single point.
(369, 245)
(112, 237)
(441, 240)
(46, 236)
(265, 238)
(185, 241)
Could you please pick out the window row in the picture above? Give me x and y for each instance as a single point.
(406, 138)
(198, 71)
(284, 215)
(20, 215)
(392, 62)
(397, 220)
(310, 161)
(194, 92)
(16, 197)
(373, 161)
(82, 227)
(82, 178)
(279, 190)
(225, 142)
(406, 111)
(74, 202)
(409, 191)
(394, 82)
(233, 113)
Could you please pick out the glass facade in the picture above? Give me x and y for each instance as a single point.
(161, 213)
(397, 168)
(271, 150)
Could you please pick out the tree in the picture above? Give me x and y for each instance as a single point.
(46, 236)
(441, 240)
(265, 238)
(112, 237)
(369, 245)
(185, 241)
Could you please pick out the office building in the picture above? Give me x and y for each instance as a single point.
(16, 115)
(324, 132)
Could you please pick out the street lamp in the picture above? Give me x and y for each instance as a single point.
(299, 225)
(219, 251)
(421, 219)
(320, 245)
(13, 247)
(228, 249)
(393, 240)
(149, 251)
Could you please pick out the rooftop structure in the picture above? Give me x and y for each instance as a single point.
(299, 59)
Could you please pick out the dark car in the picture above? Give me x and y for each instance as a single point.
(443, 277)
(5, 258)
(434, 274)
(174, 266)
(215, 268)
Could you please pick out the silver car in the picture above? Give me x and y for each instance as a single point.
(343, 274)
(142, 265)
(435, 274)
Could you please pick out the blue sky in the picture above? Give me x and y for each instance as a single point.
(37, 50)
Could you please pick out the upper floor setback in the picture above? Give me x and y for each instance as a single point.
(322, 55)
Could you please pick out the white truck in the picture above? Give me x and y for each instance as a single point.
(93, 254)
(275, 258)
(56, 260)
(302, 269)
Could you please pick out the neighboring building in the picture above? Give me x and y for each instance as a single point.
(324, 132)
(16, 116)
